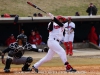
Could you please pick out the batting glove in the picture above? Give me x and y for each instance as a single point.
(51, 15)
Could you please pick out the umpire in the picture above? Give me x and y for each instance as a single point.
(15, 54)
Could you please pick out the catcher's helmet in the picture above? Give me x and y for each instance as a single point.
(22, 37)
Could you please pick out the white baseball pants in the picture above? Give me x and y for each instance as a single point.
(54, 47)
(69, 37)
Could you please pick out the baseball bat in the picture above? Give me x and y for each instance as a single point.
(33, 5)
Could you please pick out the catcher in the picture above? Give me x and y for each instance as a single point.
(15, 54)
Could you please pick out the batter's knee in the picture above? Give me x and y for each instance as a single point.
(29, 60)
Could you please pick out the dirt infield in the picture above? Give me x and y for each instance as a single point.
(85, 62)
(81, 70)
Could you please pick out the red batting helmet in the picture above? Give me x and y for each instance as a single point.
(61, 17)
(69, 18)
(7, 15)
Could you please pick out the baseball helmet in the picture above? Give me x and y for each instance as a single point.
(61, 17)
(7, 15)
(69, 18)
(21, 36)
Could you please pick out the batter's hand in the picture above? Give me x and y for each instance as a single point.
(71, 30)
(51, 16)
(3, 61)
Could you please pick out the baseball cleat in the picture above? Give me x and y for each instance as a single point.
(6, 70)
(35, 69)
(70, 69)
(28, 69)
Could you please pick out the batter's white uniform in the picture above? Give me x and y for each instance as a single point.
(54, 46)
(69, 37)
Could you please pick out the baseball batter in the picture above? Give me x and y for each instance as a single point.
(69, 36)
(15, 54)
(56, 29)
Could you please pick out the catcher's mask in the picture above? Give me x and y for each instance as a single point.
(22, 37)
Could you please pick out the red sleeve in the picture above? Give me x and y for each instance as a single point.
(9, 41)
(31, 40)
(14, 40)
(39, 39)
(95, 36)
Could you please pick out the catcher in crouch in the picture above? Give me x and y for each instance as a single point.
(15, 54)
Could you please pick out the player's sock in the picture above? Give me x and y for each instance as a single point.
(69, 68)
(70, 49)
(66, 46)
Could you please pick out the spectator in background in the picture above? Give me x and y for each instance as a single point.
(91, 10)
(10, 40)
(92, 36)
(35, 38)
(22, 32)
(77, 14)
(35, 15)
(39, 37)
(40, 15)
(7, 15)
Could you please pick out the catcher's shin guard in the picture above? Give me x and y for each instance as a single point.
(67, 47)
(27, 64)
(70, 49)
(7, 65)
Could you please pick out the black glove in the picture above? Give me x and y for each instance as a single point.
(46, 49)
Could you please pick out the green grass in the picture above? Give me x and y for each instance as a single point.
(75, 61)
(57, 7)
